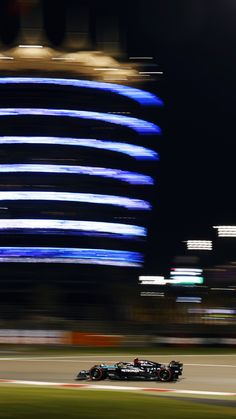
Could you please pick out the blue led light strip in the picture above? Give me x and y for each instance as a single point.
(88, 226)
(70, 255)
(138, 125)
(129, 177)
(138, 152)
(140, 96)
(121, 201)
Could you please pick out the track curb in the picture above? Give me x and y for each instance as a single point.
(116, 388)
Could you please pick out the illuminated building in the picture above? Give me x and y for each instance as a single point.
(77, 156)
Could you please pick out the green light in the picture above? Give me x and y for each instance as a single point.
(190, 281)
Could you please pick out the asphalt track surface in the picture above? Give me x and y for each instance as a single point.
(215, 373)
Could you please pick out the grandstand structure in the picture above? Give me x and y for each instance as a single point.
(79, 142)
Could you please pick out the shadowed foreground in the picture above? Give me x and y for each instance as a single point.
(58, 403)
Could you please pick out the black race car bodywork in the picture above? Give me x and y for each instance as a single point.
(142, 370)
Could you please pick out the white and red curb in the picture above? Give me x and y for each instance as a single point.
(117, 388)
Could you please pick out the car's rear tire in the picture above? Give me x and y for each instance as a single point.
(164, 375)
(96, 374)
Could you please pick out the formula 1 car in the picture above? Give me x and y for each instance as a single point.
(139, 369)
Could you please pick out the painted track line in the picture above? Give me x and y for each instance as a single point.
(96, 359)
(99, 356)
(116, 388)
(211, 365)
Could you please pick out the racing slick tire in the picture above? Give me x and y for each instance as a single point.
(96, 374)
(164, 375)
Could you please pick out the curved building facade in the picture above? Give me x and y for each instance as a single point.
(79, 142)
(76, 171)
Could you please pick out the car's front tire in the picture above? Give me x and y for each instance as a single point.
(96, 374)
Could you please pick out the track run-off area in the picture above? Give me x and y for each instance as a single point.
(203, 375)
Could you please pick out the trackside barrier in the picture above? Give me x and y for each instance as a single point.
(76, 338)
(38, 337)
(195, 341)
(58, 337)
(98, 340)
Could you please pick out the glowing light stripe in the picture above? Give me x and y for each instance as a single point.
(187, 280)
(138, 125)
(70, 255)
(91, 226)
(226, 230)
(138, 152)
(130, 177)
(140, 96)
(92, 261)
(199, 244)
(136, 204)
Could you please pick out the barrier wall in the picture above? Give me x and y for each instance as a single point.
(76, 338)
(38, 337)
(57, 337)
(85, 339)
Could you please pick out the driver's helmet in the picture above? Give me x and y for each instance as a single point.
(136, 361)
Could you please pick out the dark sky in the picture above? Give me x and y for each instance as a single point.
(194, 42)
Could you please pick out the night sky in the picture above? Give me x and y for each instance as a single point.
(194, 43)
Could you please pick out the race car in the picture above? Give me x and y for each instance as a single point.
(139, 369)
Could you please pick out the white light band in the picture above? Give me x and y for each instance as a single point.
(91, 226)
(139, 125)
(125, 176)
(129, 203)
(139, 96)
(138, 152)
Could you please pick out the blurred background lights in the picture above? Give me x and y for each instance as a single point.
(186, 276)
(138, 152)
(152, 280)
(92, 226)
(226, 231)
(138, 95)
(212, 310)
(185, 299)
(125, 176)
(70, 255)
(30, 46)
(6, 58)
(152, 294)
(199, 244)
(183, 279)
(185, 271)
(120, 201)
(139, 125)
